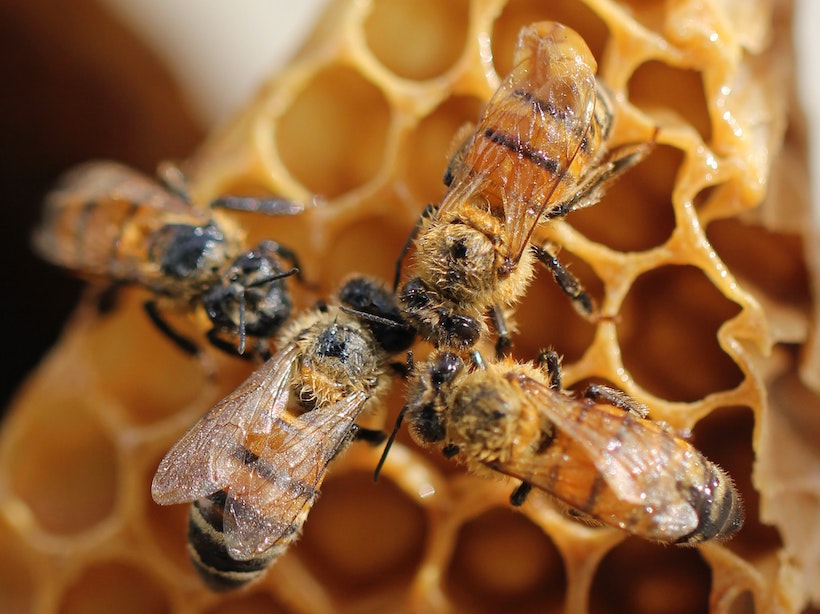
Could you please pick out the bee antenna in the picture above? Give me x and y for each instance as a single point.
(389, 443)
(374, 318)
(274, 277)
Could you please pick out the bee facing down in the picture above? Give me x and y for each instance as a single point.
(110, 223)
(597, 456)
(537, 153)
(254, 463)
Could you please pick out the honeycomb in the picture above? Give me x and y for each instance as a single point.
(701, 253)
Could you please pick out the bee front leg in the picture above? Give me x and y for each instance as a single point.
(519, 495)
(604, 394)
(582, 301)
(503, 343)
(182, 342)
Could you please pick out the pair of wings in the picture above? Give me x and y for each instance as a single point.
(543, 108)
(266, 495)
(635, 456)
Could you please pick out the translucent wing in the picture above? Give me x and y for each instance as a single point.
(531, 131)
(269, 502)
(621, 447)
(204, 460)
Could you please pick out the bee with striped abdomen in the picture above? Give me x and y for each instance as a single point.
(598, 456)
(108, 222)
(254, 463)
(539, 151)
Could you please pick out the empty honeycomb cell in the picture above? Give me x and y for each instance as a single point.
(332, 137)
(546, 317)
(17, 578)
(670, 313)
(504, 562)
(438, 46)
(744, 603)
(658, 87)
(173, 378)
(254, 603)
(426, 154)
(114, 586)
(377, 515)
(519, 13)
(643, 578)
(64, 467)
(725, 437)
(383, 239)
(636, 212)
(776, 264)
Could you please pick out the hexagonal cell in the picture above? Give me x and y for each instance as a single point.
(344, 255)
(776, 265)
(18, 588)
(659, 87)
(114, 586)
(546, 317)
(519, 13)
(320, 138)
(504, 562)
(69, 478)
(636, 212)
(668, 334)
(167, 382)
(643, 578)
(426, 153)
(363, 537)
(433, 33)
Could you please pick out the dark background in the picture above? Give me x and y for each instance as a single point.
(77, 85)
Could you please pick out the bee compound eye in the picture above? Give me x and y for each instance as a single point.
(460, 331)
(444, 368)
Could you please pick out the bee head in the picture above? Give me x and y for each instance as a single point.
(251, 298)
(436, 318)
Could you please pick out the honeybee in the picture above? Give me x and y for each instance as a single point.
(537, 153)
(108, 222)
(254, 463)
(598, 456)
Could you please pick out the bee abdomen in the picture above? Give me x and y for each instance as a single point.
(719, 509)
(206, 548)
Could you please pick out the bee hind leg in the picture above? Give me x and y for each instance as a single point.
(616, 398)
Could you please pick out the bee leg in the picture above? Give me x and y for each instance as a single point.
(519, 495)
(184, 343)
(107, 297)
(290, 256)
(428, 211)
(264, 206)
(550, 362)
(567, 282)
(449, 450)
(372, 436)
(616, 398)
(503, 343)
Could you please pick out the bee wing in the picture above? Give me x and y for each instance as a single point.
(530, 133)
(622, 448)
(104, 181)
(205, 459)
(269, 502)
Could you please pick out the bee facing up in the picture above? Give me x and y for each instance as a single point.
(537, 153)
(108, 222)
(597, 456)
(254, 463)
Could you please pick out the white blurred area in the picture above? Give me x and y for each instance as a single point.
(220, 51)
